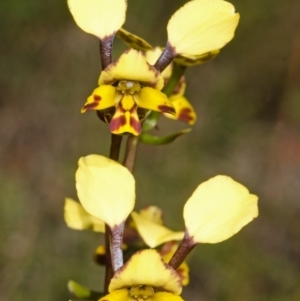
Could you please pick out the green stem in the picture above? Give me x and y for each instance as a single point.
(177, 73)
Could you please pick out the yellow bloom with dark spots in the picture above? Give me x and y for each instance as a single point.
(126, 85)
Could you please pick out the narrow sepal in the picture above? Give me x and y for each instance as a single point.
(156, 140)
(193, 60)
(82, 292)
(132, 40)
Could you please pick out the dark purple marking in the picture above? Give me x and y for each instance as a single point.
(166, 109)
(185, 115)
(136, 125)
(90, 106)
(97, 98)
(117, 122)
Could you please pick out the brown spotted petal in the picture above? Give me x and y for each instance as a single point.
(102, 98)
(146, 267)
(152, 99)
(184, 110)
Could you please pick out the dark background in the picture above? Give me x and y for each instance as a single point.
(247, 101)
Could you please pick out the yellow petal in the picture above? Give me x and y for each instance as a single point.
(153, 214)
(184, 110)
(146, 268)
(154, 234)
(163, 296)
(153, 55)
(152, 99)
(101, 18)
(105, 188)
(102, 98)
(132, 65)
(119, 295)
(218, 209)
(132, 40)
(78, 218)
(201, 26)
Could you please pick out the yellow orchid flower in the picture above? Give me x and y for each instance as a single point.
(145, 276)
(128, 84)
(129, 87)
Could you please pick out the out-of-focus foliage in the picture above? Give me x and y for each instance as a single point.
(248, 105)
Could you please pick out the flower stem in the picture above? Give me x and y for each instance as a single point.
(106, 46)
(130, 154)
(165, 58)
(116, 246)
(185, 247)
(178, 71)
(114, 152)
(108, 263)
(115, 146)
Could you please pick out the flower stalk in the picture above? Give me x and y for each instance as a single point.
(106, 46)
(130, 153)
(185, 247)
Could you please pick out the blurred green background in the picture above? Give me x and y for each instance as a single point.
(247, 101)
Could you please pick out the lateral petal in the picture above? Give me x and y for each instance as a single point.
(103, 97)
(105, 188)
(118, 295)
(152, 99)
(201, 26)
(218, 209)
(101, 18)
(164, 296)
(184, 110)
